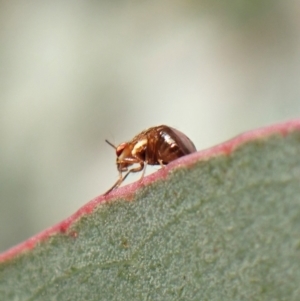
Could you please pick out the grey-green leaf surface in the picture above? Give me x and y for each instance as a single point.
(226, 227)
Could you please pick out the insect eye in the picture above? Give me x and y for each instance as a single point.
(120, 149)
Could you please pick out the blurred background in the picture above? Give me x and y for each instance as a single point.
(76, 73)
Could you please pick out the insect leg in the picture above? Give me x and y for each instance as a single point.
(116, 185)
(161, 163)
(137, 169)
(121, 178)
(144, 170)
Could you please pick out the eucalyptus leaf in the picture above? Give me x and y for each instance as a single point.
(221, 224)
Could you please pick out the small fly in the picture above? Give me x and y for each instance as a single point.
(157, 145)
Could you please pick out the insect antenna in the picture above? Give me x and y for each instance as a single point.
(110, 144)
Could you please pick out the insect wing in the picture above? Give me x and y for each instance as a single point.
(172, 144)
(184, 143)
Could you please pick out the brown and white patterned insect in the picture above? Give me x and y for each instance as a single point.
(157, 145)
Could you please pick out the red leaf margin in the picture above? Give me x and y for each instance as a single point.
(128, 191)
